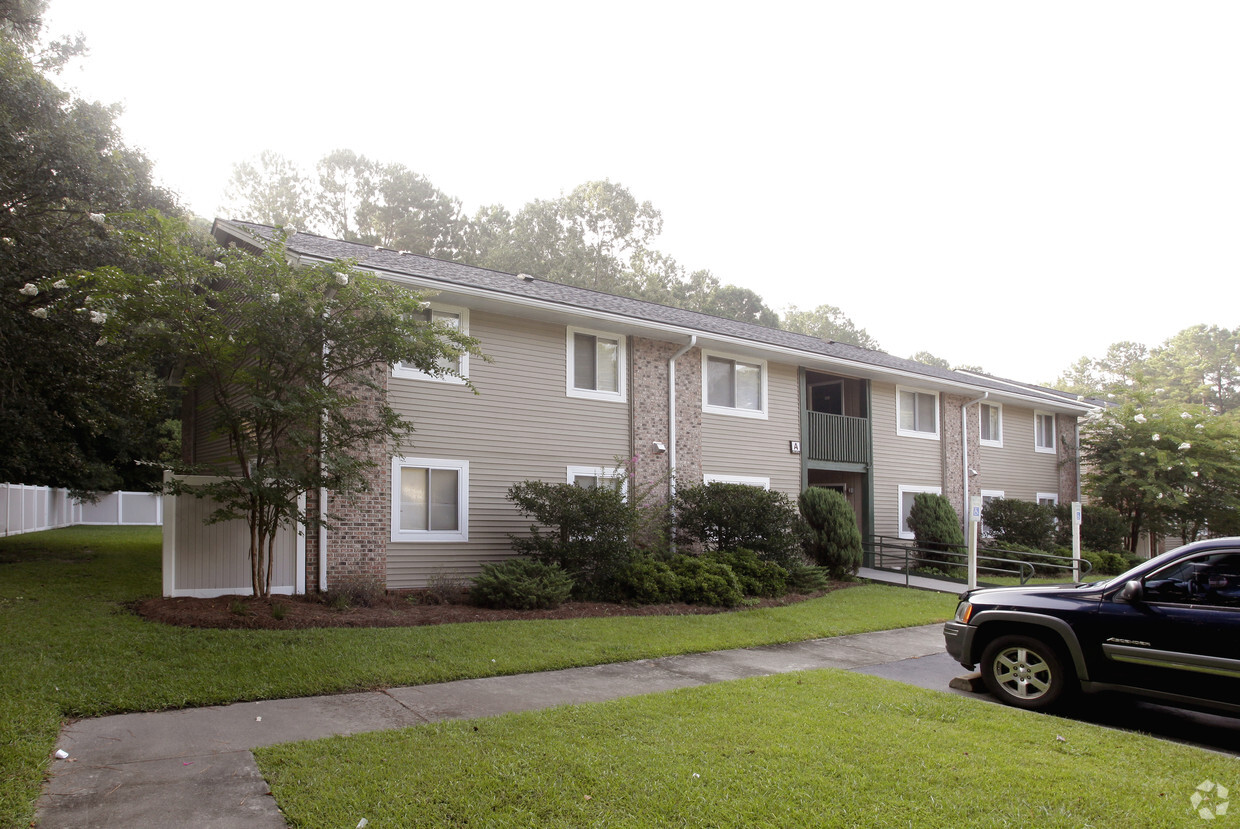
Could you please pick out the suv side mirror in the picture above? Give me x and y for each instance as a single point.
(1131, 592)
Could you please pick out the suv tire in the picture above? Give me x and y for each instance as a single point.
(1027, 672)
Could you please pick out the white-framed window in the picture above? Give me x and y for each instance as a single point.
(907, 493)
(733, 385)
(747, 480)
(446, 316)
(596, 365)
(917, 413)
(430, 499)
(1044, 432)
(592, 476)
(990, 431)
(988, 495)
(1048, 498)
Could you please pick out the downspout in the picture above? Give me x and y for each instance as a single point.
(964, 454)
(671, 429)
(322, 539)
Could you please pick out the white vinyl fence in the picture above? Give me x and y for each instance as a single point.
(27, 509)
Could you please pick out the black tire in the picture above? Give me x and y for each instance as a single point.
(1027, 672)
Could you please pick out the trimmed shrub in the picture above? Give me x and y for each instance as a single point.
(585, 530)
(936, 527)
(521, 584)
(1011, 521)
(834, 540)
(1102, 528)
(804, 578)
(1106, 563)
(755, 576)
(646, 580)
(705, 581)
(737, 516)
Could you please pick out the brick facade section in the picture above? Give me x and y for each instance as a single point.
(1069, 456)
(361, 522)
(949, 435)
(649, 400)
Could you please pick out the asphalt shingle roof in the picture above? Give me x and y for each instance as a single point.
(571, 297)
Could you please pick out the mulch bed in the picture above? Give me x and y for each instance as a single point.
(397, 610)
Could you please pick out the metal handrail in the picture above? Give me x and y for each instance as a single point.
(911, 556)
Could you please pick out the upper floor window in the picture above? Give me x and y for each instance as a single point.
(918, 413)
(991, 432)
(455, 369)
(1043, 432)
(735, 387)
(596, 365)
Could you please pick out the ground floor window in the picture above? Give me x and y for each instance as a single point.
(907, 494)
(430, 499)
(748, 480)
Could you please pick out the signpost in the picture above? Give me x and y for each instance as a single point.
(1076, 540)
(975, 518)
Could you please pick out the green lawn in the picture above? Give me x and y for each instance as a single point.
(69, 648)
(820, 748)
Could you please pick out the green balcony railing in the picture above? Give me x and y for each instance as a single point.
(838, 438)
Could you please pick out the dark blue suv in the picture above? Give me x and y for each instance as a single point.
(1167, 630)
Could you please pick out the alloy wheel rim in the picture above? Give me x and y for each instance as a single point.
(1023, 673)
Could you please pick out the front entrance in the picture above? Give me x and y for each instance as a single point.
(850, 484)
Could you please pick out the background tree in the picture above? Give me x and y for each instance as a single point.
(283, 354)
(73, 413)
(406, 212)
(926, 358)
(1123, 367)
(598, 236)
(1201, 365)
(828, 323)
(270, 189)
(1198, 366)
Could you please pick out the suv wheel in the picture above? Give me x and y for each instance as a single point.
(1026, 672)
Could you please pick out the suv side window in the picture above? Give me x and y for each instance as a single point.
(1210, 580)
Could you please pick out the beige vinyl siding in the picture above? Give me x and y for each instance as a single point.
(209, 449)
(897, 460)
(520, 426)
(216, 557)
(749, 447)
(1016, 468)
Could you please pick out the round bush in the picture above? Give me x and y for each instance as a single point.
(834, 540)
(755, 576)
(646, 581)
(521, 584)
(936, 527)
(736, 516)
(705, 581)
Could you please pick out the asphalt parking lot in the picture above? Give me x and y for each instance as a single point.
(1208, 731)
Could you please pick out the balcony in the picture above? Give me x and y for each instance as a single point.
(837, 438)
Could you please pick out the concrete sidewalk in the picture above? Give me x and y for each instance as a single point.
(194, 767)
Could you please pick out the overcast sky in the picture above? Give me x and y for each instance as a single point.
(1006, 185)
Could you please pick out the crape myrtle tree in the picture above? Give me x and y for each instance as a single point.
(279, 357)
(1168, 468)
(72, 413)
